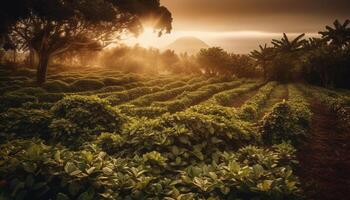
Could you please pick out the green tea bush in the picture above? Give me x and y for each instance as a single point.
(50, 97)
(124, 96)
(111, 89)
(225, 98)
(149, 112)
(15, 100)
(32, 170)
(25, 72)
(234, 176)
(86, 85)
(33, 91)
(249, 111)
(333, 100)
(37, 106)
(53, 172)
(119, 81)
(9, 88)
(25, 123)
(197, 135)
(90, 113)
(110, 142)
(57, 86)
(288, 121)
(175, 84)
(191, 98)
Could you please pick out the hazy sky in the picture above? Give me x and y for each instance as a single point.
(260, 15)
(232, 24)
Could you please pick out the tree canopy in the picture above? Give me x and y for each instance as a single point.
(52, 27)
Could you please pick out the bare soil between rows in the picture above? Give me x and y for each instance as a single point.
(325, 157)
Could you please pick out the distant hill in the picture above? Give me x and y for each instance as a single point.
(191, 45)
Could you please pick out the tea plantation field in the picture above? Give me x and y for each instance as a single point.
(98, 134)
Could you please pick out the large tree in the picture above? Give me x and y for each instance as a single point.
(53, 27)
(339, 36)
(263, 57)
(214, 61)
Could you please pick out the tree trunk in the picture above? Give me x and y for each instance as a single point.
(31, 58)
(42, 68)
(14, 56)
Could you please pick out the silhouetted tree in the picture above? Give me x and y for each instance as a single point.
(52, 27)
(169, 58)
(214, 61)
(338, 36)
(263, 58)
(284, 66)
(284, 45)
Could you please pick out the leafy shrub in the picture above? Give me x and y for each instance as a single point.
(199, 135)
(15, 101)
(110, 142)
(32, 170)
(50, 97)
(86, 85)
(10, 88)
(249, 111)
(333, 100)
(289, 120)
(65, 131)
(112, 89)
(235, 177)
(25, 72)
(150, 111)
(154, 158)
(175, 85)
(91, 114)
(120, 97)
(225, 98)
(37, 106)
(191, 98)
(25, 123)
(119, 81)
(33, 91)
(57, 86)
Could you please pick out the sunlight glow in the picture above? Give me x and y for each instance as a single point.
(148, 38)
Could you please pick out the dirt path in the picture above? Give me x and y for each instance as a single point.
(241, 99)
(279, 93)
(325, 157)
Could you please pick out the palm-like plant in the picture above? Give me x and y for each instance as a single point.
(263, 57)
(314, 43)
(287, 46)
(339, 35)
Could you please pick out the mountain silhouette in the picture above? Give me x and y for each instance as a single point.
(190, 45)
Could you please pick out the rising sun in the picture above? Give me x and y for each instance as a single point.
(148, 37)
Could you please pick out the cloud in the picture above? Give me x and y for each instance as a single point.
(261, 15)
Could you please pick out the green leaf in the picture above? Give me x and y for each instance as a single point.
(18, 187)
(107, 171)
(258, 170)
(57, 156)
(89, 171)
(61, 196)
(76, 172)
(265, 185)
(29, 167)
(70, 167)
(29, 180)
(198, 154)
(213, 175)
(88, 195)
(178, 161)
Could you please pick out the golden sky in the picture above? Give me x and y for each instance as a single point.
(240, 25)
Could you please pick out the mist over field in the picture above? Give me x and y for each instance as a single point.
(174, 99)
